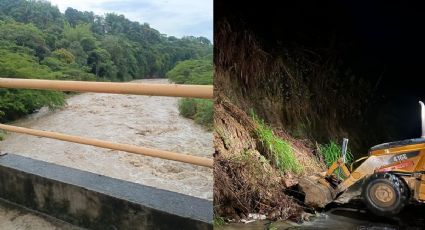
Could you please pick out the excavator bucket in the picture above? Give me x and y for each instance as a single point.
(322, 189)
(318, 191)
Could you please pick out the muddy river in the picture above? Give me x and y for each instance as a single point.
(139, 120)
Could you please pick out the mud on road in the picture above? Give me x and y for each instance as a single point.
(351, 216)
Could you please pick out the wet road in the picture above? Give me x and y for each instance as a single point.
(355, 216)
(347, 218)
(139, 120)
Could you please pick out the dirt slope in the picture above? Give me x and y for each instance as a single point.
(245, 179)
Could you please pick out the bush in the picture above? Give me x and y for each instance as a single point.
(218, 222)
(204, 113)
(2, 134)
(187, 107)
(200, 110)
(197, 72)
(15, 103)
(332, 152)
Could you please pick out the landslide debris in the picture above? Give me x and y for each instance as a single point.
(246, 177)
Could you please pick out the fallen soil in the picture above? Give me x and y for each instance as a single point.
(245, 178)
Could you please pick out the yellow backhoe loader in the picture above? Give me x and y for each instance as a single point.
(392, 175)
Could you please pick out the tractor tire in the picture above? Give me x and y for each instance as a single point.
(385, 194)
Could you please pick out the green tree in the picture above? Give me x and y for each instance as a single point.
(24, 35)
(77, 50)
(101, 64)
(64, 55)
(75, 17)
(88, 43)
(77, 33)
(122, 55)
(16, 103)
(198, 71)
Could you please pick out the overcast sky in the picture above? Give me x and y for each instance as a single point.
(171, 17)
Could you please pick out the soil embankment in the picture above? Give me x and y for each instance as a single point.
(246, 178)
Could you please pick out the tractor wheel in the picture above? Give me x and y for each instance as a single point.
(385, 194)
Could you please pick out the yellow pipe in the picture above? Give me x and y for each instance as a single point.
(201, 161)
(171, 90)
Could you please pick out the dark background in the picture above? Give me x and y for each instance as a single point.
(380, 41)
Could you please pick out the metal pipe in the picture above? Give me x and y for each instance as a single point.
(201, 161)
(344, 149)
(171, 90)
(422, 118)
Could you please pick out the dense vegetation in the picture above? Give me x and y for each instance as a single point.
(38, 41)
(197, 72)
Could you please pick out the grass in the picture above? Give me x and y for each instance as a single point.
(271, 227)
(2, 135)
(218, 222)
(332, 152)
(281, 150)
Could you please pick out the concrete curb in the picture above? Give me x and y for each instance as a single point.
(98, 202)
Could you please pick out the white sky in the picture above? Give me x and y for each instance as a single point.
(171, 17)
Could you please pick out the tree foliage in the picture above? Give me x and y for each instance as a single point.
(197, 72)
(15, 103)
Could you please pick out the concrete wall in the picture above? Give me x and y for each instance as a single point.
(98, 202)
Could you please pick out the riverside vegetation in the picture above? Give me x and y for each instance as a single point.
(197, 72)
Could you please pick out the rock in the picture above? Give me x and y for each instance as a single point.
(305, 216)
(316, 194)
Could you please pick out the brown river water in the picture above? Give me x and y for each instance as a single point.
(130, 119)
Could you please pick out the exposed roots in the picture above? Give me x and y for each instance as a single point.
(243, 186)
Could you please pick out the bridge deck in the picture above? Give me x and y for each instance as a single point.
(95, 201)
(13, 217)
